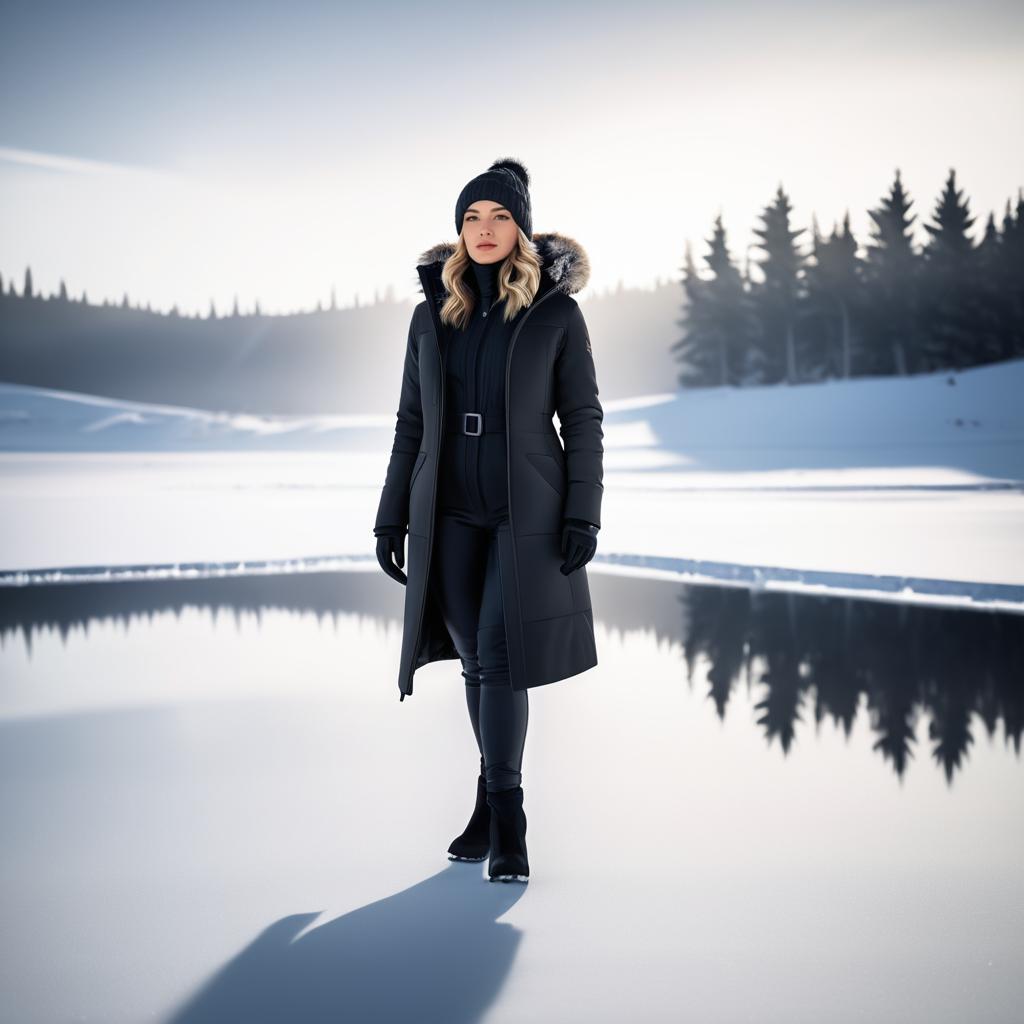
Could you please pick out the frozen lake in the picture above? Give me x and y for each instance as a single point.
(790, 791)
(759, 806)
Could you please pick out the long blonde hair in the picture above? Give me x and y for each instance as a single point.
(518, 281)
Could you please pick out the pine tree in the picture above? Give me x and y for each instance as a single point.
(893, 283)
(816, 336)
(27, 290)
(720, 329)
(62, 294)
(834, 283)
(729, 316)
(696, 349)
(212, 314)
(754, 369)
(951, 285)
(1012, 277)
(778, 298)
(992, 327)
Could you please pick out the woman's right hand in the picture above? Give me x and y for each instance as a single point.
(391, 549)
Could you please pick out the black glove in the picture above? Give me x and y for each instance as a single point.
(391, 549)
(579, 542)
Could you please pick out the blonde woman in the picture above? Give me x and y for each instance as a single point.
(501, 516)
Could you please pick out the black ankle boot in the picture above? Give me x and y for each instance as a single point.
(508, 836)
(475, 840)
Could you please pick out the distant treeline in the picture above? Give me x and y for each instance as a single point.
(29, 291)
(835, 312)
(333, 360)
(328, 361)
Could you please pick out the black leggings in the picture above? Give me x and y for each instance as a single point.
(465, 581)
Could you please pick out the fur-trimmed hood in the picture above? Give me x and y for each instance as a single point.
(563, 260)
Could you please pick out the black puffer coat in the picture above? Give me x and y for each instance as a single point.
(549, 622)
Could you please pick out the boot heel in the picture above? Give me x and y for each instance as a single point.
(508, 861)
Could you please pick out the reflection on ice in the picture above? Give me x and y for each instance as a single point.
(829, 653)
(215, 808)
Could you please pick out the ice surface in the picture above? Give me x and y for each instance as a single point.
(909, 485)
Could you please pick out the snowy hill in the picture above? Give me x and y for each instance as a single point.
(44, 420)
(912, 429)
(972, 420)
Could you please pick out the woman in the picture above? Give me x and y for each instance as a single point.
(501, 518)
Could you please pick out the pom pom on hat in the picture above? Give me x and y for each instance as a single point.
(515, 166)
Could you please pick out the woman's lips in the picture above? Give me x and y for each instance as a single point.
(487, 245)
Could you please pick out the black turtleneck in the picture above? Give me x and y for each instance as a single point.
(486, 277)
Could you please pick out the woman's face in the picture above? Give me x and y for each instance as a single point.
(489, 231)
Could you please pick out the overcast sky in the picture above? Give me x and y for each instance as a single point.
(188, 151)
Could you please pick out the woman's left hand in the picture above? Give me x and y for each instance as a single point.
(579, 542)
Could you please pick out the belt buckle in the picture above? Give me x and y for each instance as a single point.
(479, 424)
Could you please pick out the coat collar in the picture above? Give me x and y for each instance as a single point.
(564, 264)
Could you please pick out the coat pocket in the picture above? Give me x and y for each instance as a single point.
(557, 452)
(421, 457)
(549, 469)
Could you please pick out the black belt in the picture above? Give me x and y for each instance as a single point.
(474, 424)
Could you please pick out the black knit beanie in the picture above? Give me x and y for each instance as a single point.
(506, 182)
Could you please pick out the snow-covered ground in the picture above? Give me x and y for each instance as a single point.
(911, 489)
(216, 809)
